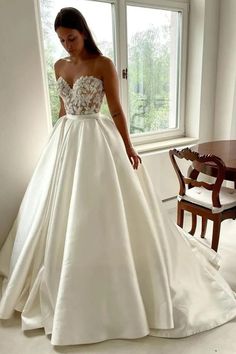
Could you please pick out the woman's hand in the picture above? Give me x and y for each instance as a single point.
(133, 157)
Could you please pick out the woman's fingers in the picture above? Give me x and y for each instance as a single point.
(136, 160)
(133, 157)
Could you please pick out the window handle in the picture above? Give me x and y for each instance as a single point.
(125, 73)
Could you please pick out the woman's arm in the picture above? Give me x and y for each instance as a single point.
(62, 110)
(111, 87)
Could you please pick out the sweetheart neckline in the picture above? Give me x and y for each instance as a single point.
(81, 77)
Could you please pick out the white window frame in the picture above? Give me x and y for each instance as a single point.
(182, 7)
(121, 59)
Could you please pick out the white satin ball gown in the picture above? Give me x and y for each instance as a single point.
(92, 255)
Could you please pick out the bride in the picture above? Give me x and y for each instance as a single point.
(92, 255)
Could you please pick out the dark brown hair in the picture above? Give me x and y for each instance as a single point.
(70, 17)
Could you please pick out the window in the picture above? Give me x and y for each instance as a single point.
(147, 42)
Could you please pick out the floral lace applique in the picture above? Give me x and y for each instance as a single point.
(85, 97)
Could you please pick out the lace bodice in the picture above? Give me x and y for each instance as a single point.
(85, 97)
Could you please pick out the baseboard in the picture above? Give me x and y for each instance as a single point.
(170, 203)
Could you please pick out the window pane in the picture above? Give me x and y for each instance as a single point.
(153, 44)
(99, 18)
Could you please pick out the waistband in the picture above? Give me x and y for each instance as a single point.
(84, 116)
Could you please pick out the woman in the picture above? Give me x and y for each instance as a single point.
(92, 255)
(86, 60)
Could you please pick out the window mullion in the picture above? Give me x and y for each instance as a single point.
(122, 62)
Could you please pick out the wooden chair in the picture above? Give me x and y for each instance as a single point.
(211, 201)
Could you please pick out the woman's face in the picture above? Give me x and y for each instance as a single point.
(71, 39)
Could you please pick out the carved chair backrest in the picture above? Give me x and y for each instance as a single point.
(184, 181)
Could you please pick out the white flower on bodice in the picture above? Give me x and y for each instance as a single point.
(85, 97)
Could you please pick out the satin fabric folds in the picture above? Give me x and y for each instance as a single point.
(92, 254)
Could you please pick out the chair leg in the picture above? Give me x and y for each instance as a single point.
(204, 226)
(194, 224)
(216, 234)
(180, 216)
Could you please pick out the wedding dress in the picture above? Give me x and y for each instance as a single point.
(92, 254)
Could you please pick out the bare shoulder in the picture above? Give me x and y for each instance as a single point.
(59, 65)
(105, 65)
(103, 60)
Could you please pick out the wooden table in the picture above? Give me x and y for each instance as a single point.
(226, 150)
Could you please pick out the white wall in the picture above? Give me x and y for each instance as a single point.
(209, 70)
(202, 68)
(225, 104)
(23, 113)
(194, 72)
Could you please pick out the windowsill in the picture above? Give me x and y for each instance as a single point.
(164, 145)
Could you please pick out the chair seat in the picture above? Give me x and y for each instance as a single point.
(203, 197)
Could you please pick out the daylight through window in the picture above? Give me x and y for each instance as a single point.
(147, 44)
